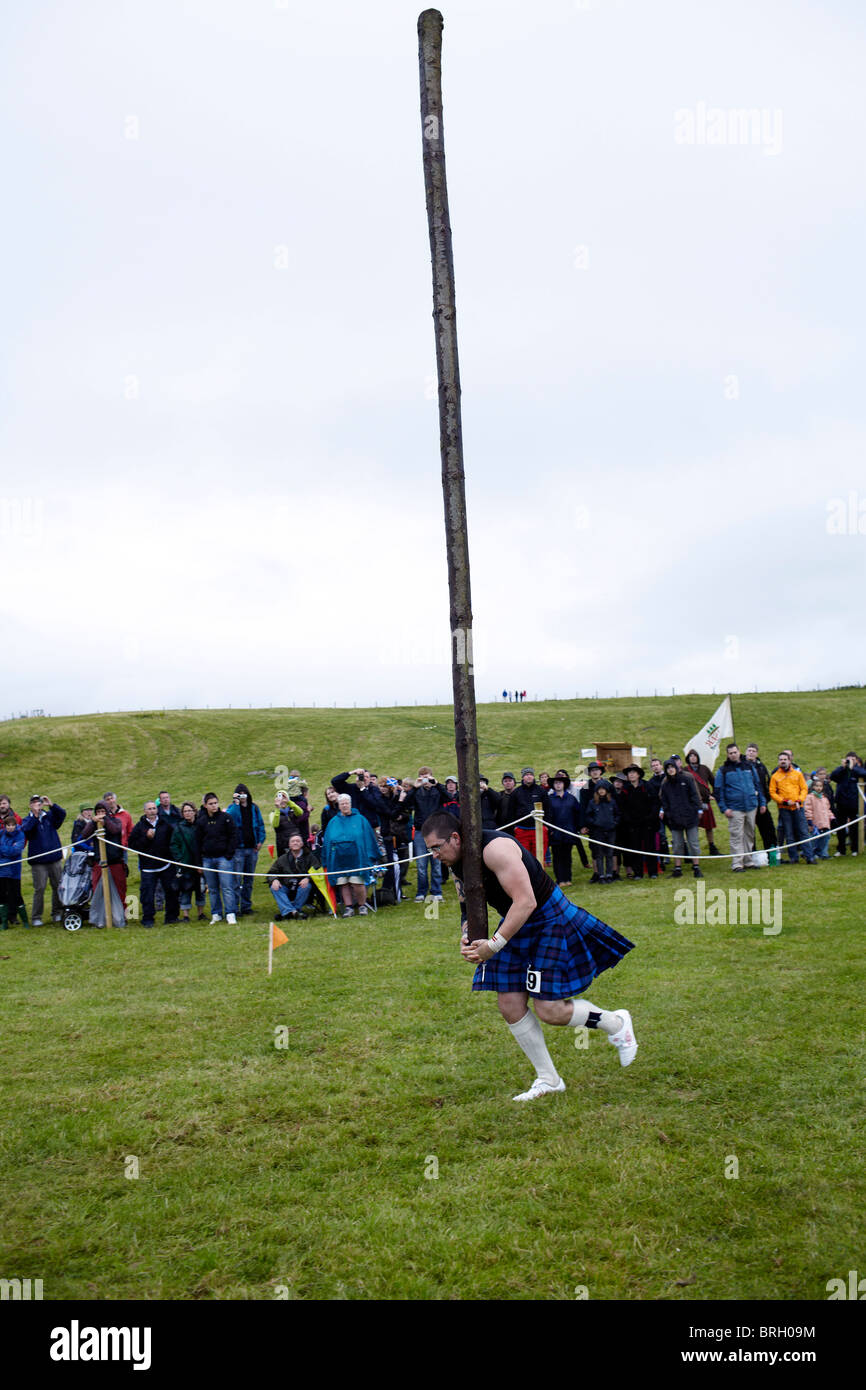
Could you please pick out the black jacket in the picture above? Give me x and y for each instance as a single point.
(602, 815)
(490, 803)
(586, 795)
(285, 866)
(562, 811)
(399, 815)
(426, 801)
(847, 796)
(524, 802)
(507, 809)
(637, 808)
(681, 801)
(216, 835)
(159, 847)
(763, 778)
(366, 800)
(654, 791)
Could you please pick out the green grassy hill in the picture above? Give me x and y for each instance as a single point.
(193, 751)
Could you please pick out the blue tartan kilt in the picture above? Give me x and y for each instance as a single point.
(556, 953)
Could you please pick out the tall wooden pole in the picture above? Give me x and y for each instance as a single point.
(451, 448)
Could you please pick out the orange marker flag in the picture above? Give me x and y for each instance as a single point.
(275, 938)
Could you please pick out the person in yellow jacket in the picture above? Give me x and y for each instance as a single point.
(789, 791)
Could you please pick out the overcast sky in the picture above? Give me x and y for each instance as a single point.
(221, 473)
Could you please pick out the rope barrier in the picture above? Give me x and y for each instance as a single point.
(669, 854)
(384, 864)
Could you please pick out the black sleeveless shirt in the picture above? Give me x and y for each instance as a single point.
(542, 885)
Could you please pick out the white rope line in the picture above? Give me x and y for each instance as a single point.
(384, 864)
(669, 854)
(242, 873)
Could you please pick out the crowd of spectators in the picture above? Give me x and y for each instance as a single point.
(621, 823)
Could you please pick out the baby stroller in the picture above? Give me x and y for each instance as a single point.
(75, 889)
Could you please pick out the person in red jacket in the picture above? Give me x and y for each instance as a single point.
(114, 808)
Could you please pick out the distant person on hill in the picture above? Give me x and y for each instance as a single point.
(44, 853)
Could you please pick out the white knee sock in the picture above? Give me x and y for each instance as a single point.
(607, 1022)
(528, 1035)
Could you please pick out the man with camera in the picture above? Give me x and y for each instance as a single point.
(44, 853)
(426, 798)
(849, 803)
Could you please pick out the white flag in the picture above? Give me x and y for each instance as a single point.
(709, 738)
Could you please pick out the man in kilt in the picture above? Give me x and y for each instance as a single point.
(545, 946)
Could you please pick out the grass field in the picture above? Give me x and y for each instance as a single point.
(345, 1129)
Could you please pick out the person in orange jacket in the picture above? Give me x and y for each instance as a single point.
(789, 791)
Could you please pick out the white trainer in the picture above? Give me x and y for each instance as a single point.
(540, 1088)
(215, 918)
(231, 919)
(625, 1040)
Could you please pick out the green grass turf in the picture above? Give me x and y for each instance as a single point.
(304, 1168)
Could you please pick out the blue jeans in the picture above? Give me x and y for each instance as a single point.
(244, 864)
(793, 823)
(821, 840)
(221, 886)
(286, 903)
(420, 849)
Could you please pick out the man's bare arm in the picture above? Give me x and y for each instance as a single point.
(506, 861)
